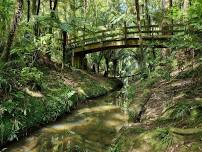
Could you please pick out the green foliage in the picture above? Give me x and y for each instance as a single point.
(165, 136)
(7, 74)
(186, 111)
(31, 74)
(6, 8)
(4, 85)
(195, 14)
(9, 106)
(181, 111)
(21, 110)
(115, 148)
(192, 37)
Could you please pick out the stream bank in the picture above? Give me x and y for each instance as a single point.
(152, 115)
(170, 118)
(59, 93)
(91, 127)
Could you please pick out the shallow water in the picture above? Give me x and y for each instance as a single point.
(92, 127)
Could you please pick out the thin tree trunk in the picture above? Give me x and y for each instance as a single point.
(28, 10)
(52, 12)
(38, 7)
(115, 62)
(148, 18)
(107, 66)
(137, 7)
(6, 53)
(52, 15)
(36, 4)
(186, 6)
(34, 7)
(55, 5)
(138, 19)
(64, 33)
(166, 26)
(98, 68)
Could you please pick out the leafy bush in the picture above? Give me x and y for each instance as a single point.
(31, 74)
(181, 111)
(4, 85)
(185, 110)
(165, 136)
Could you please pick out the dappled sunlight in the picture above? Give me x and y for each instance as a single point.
(99, 109)
(81, 91)
(114, 123)
(180, 96)
(32, 93)
(68, 126)
(70, 82)
(185, 68)
(93, 126)
(198, 99)
(182, 83)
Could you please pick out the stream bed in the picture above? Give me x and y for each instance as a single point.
(90, 128)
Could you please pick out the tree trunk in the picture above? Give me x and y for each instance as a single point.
(34, 7)
(137, 7)
(148, 18)
(186, 6)
(115, 63)
(28, 10)
(98, 68)
(36, 4)
(64, 43)
(166, 25)
(166, 4)
(107, 67)
(6, 53)
(99, 61)
(38, 7)
(52, 15)
(52, 12)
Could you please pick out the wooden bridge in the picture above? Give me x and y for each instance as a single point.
(124, 37)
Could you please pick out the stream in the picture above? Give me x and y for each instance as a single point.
(91, 127)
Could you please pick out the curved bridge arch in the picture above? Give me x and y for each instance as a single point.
(124, 37)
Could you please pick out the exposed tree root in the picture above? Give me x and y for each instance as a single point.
(188, 131)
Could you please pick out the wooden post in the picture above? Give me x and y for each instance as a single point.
(103, 35)
(79, 61)
(73, 64)
(76, 61)
(125, 33)
(84, 35)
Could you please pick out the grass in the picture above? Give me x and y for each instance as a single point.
(182, 110)
(20, 110)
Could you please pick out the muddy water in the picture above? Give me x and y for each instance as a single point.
(91, 128)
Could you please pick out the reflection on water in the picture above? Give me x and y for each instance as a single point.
(90, 128)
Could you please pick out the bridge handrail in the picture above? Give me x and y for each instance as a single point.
(125, 31)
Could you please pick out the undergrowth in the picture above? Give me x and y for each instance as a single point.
(30, 97)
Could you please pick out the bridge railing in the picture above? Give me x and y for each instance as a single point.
(125, 32)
